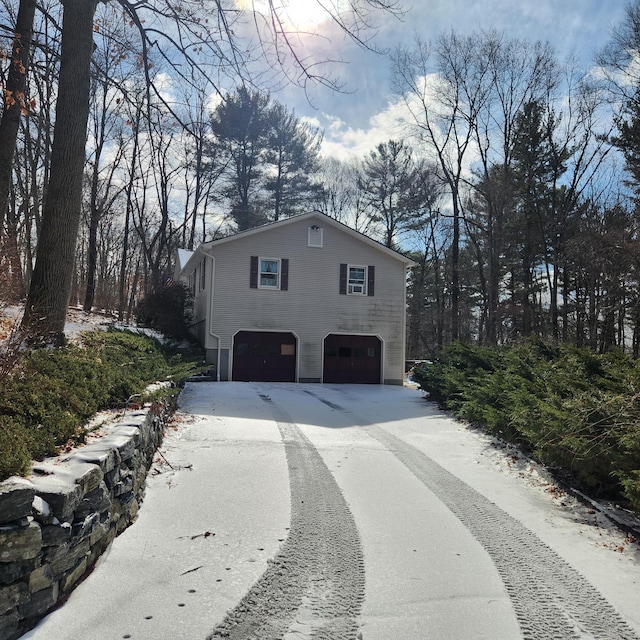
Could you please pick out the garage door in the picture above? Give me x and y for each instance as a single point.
(354, 359)
(264, 356)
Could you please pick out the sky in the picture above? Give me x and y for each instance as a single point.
(359, 117)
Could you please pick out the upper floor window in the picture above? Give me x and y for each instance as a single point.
(357, 280)
(269, 276)
(269, 273)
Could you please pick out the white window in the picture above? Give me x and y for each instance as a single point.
(315, 236)
(203, 274)
(357, 280)
(269, 275)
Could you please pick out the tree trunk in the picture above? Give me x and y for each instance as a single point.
(92, 258)
(50, 289)
(455, 272)
(92, 247)
(122, 279)
(14, 104)
(14, 97)
(12, 256)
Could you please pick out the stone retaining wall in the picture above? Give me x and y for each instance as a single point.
(56, 523)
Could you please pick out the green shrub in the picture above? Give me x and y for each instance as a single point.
(449, 378)
(167, 309)
(631, 484)
(50, 394)
(15, 452)
(575, 410)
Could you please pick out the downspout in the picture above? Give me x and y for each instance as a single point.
(404, 324)
(210, 319)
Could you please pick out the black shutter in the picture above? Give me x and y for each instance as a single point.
(284, 275)
(371, 280)
(343, 279)
(253, 276)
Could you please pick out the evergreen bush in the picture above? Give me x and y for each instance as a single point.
(575, 410)
(50, 394)
(167, 309)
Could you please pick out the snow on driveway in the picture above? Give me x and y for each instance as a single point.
(343, 512)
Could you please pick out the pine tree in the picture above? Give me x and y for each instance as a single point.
(291, 159)
(628, 141)
(240, 127)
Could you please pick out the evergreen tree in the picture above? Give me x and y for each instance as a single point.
(270, 158)
(628, 141)
(291, 159)
(531, 176)
(488, 212)
(240, 125)
(532, 232)
(398, 190)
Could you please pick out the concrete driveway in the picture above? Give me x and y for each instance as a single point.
(350, 512)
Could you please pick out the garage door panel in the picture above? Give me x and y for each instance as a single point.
(352, 359)
(264, 356)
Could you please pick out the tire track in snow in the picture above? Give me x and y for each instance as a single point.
(314, 587)
(552, 600)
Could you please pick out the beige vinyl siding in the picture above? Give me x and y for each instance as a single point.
(312, 306)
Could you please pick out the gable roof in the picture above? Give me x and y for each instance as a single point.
(183, 256)
(325, 219)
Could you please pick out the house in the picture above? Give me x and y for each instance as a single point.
(304, 299)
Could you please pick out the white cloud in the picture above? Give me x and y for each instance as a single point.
(312, 122)
(345, 142)
(578, 27)
(394, 121)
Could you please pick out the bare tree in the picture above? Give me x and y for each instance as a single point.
(444, 87)
(104, 158)
(618, 60)
(190, 29)
(15, 104)
(155, 225)
(337, 198)
(46, 309)
(202, 170)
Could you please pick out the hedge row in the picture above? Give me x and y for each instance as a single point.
(49, 395)
(576, 411)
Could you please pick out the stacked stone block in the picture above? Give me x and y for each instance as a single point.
(56, 523)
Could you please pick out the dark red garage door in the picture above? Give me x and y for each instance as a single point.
(264, 356)
(354, 359)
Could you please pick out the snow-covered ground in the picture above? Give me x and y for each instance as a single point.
(218, 518)
(78, 321)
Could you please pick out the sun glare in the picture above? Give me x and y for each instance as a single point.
(298, 14)
(304, 14)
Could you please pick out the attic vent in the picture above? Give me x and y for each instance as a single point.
(315, 236)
